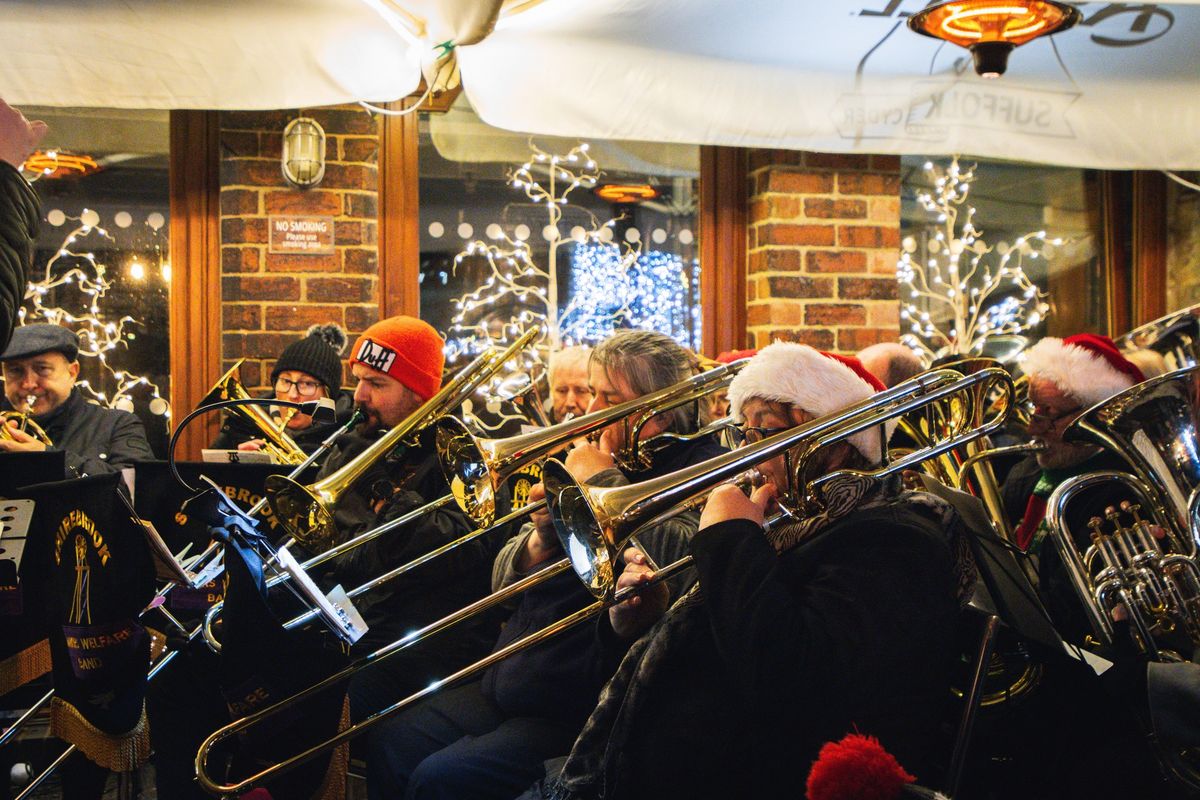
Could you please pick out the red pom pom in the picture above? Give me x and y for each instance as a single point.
(856, 768)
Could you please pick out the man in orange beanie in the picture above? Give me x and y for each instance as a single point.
(397, 364)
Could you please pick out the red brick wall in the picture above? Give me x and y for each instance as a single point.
(823, 240)
(268, 299)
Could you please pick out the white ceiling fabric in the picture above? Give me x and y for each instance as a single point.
(207, 54)
(833, 75)
(826, 76)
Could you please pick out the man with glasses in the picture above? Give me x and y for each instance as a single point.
(40, 370)
(307, 369)
(1066, 377)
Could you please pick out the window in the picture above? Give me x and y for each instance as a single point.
(1183, 243)
(1014, 203)
(608, 240)
(102, 263)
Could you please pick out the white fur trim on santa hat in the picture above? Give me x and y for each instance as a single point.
(800, 376)
(1076, 371)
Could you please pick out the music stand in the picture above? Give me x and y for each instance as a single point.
(18, 470)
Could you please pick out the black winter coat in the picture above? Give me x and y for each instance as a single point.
(430, 591)
(20, 212)
(849, 632)
(560, 680)
(95, 439)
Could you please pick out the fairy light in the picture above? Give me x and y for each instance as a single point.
(99, 336)
(962, 295)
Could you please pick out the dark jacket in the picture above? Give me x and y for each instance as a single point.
(20, 212)
(430, 591)
(95, 439)
(561, 680)
(237, 429)
(1054, 585)
(849, 632)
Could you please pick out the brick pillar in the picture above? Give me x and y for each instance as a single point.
(268, 299)
(824, 237)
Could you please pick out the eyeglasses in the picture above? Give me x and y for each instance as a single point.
(303, 388)
(1039, 417)
(750, 435)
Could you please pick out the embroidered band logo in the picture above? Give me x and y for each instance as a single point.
(376, 356)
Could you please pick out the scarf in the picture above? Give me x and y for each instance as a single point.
(593, 769)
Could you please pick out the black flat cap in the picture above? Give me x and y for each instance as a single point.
(30, 340)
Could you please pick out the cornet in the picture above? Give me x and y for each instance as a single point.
(276, 441)
(25, 423)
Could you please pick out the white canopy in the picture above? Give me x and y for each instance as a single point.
(1120, 90)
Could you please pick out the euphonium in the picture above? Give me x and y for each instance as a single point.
(1176, 337)
(596, 520)
(1155, 427)
(25, 423)
(306, 512)
(276, 440)
(476, 467)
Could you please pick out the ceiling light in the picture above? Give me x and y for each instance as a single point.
(990, 29)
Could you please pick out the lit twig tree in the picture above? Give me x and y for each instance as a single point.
(73, 268)
(963, 291)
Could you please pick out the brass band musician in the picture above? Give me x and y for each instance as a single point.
(836, 622)
(489, 738)
(308, 369)
(40, 369)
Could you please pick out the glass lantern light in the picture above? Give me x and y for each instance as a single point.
(304, 152)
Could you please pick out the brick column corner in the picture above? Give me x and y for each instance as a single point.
(269, 299)
(823, 241)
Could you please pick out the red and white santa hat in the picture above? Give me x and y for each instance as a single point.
(814, 381)
(1086, 366)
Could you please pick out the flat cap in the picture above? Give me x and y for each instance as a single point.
(30, 340)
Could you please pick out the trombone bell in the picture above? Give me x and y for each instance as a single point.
(305, 513)
(468, 470)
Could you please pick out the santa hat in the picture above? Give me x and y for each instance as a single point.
(729, 356)
(1086, 366)
(816, 382)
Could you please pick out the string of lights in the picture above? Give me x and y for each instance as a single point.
(74, 269)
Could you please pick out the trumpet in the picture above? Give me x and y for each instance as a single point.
(592, 521)
(276, 441)
(25, 423)
(475, 468)
(306, 512)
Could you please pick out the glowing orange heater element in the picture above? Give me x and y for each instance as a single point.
(990, 29)
(626, 192)
(59, 164)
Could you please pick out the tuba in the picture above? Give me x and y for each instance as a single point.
(276, 440)
(1176, 337)
(1120, 562)
(25, 423)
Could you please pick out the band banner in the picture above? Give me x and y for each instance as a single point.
(101, 577)
(262, 663)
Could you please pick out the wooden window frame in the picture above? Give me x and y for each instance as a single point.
(195, 298)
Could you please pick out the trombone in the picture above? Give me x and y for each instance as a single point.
(592, 521)
(475, 469)
(306, 512)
